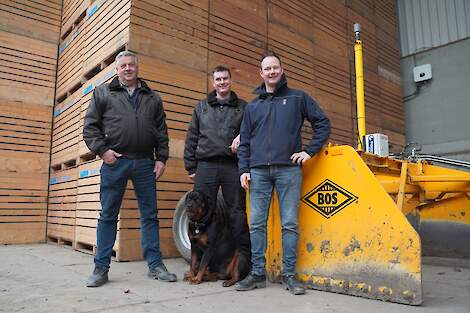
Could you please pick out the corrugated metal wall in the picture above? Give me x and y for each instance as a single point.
(425, 24)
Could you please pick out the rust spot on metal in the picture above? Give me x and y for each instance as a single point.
(325, 246)
(353, 245)
(365, 288)
(408, 296)
(396, 260)
(386, 291)
(400, 286)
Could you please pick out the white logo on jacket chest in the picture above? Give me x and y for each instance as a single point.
(284, 102)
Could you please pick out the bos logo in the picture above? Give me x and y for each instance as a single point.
(328, 198)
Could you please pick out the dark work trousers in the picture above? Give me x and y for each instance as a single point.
(210, 175)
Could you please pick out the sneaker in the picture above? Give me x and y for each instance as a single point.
(293, 285)
(160, 272)
(98, 278)
(251, 282)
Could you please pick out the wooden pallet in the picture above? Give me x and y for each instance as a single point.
(28, 74)
(106, 32)
(62, 203)
(178, 44)
(35, 19)
(65, 133)
(24, 159)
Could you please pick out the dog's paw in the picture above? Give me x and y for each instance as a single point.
(195, 281)
(188, 276)
(210, 277)
(228, 283)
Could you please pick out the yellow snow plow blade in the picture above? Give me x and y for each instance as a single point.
(435, 199)
(353, 239)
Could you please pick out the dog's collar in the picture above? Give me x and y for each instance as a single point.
(197, 226)
(202, 223)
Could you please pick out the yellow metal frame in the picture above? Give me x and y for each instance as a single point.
(435, 199)
(358, 242)
(354, 236)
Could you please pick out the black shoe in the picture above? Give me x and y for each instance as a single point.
(251, 282)
(160, 272)
(98, 278)
(293, 285)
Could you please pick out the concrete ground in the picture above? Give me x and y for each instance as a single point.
(50, 278)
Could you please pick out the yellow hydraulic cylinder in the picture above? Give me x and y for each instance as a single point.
(353, 239)
(361, 110)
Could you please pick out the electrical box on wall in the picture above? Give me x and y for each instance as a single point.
(422, 73)
(377, 144)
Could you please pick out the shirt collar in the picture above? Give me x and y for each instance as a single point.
(129, 90)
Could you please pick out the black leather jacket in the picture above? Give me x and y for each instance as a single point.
(111, 122)
(212, 130)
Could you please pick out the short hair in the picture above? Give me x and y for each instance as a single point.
(125, 53)
(221, 68)
(269, 53)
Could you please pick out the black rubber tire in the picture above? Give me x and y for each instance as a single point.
(180, 229)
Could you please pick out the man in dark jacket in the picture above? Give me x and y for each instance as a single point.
(270, 156)
(210, 151)
(125, 125)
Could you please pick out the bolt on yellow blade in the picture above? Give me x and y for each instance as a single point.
(353, 238)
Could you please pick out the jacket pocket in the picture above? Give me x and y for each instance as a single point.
(148, 133)
(116, 129)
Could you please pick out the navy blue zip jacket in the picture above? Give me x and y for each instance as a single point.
(272, 123)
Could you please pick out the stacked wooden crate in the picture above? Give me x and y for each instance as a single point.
(171, 41)
(388, 70)
(178, 44)
(92, 33)
(237, 39)
(29, 33)
(332, 67)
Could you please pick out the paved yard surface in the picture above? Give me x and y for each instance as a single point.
(50, 278)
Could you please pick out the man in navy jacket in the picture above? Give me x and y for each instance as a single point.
(270, 156)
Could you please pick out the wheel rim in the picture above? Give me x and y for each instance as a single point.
(182, 230)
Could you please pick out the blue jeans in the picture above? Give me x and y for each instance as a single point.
(113, 184)
(287, 181)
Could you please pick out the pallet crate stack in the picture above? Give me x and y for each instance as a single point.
(178, 44)
(92, 33)
(29, 33)
(171, 41)
(237, 38)
(332, 69)
(388, 71)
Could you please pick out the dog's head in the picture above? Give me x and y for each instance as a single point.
(196, 205)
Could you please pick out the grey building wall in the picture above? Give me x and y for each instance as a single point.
(438, 117)
(426, 24)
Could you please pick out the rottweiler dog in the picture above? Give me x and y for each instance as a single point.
(214, 252)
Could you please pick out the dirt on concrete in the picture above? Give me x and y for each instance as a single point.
(50, 278)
